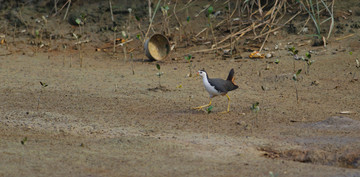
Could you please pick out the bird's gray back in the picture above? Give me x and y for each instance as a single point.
(223, 86)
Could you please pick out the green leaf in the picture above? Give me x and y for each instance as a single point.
(137, 18)
(277, 61)
(296, 52)
(209, 109)
(210, 10)
(78, 21)
(350, 52)
(188, 57)
(138, 36)
(188, 18)
(37, 32)
(158, 66)
(255, 107)
(308, 55)
(23, 141)
(291, 49)
(296, 74)
(43, 84)
(310, 62)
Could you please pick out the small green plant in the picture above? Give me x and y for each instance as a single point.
(357, 65)
(23, 141)
(272, 174)
(209, 109)
(210, 15)
(296, 79)
(43, 86)
(255, 107)
(114, 41)
(188, 59)
(138, 36)
(308, 62)
(294, 52)
(164, 10)
(315, 15)
(159, 74)
(125, 36)
(277, 61)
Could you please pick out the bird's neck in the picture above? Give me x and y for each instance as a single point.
(205, 79)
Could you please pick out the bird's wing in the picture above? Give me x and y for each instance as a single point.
(223, 86)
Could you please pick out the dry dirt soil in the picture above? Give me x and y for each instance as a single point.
(101, 119)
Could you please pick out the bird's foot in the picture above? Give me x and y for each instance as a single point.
(200, 107)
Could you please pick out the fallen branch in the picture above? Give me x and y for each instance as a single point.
(201, 32)
(344, 37)
(67, 9)
(279, 26)
(84, 41)
(61, 8)
(121, 44)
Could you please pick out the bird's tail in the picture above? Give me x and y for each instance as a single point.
(231, 76)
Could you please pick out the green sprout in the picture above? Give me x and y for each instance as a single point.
(255, 107)
(164, 10)
(137, 18)
(308, 62)
(159, 74)
(23, 141)
(357, 66)
(43, 86)
(78, 21)
(294, 52)
(210, 10)
(138, 36)
(272, 174)
(188, 58)
(37, 32)
(277, 61)
(295, 78)
(209, 109)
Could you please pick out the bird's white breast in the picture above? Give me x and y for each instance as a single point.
(211, 89)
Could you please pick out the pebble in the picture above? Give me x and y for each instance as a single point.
(276, 47)
(269, 55)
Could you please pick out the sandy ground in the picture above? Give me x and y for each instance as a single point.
(102, 120)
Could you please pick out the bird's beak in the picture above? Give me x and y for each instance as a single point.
(197, 74)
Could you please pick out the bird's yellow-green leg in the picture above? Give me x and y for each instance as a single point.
(228, 108)
(200, 107)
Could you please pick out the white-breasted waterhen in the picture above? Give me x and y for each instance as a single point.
(216, 86)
